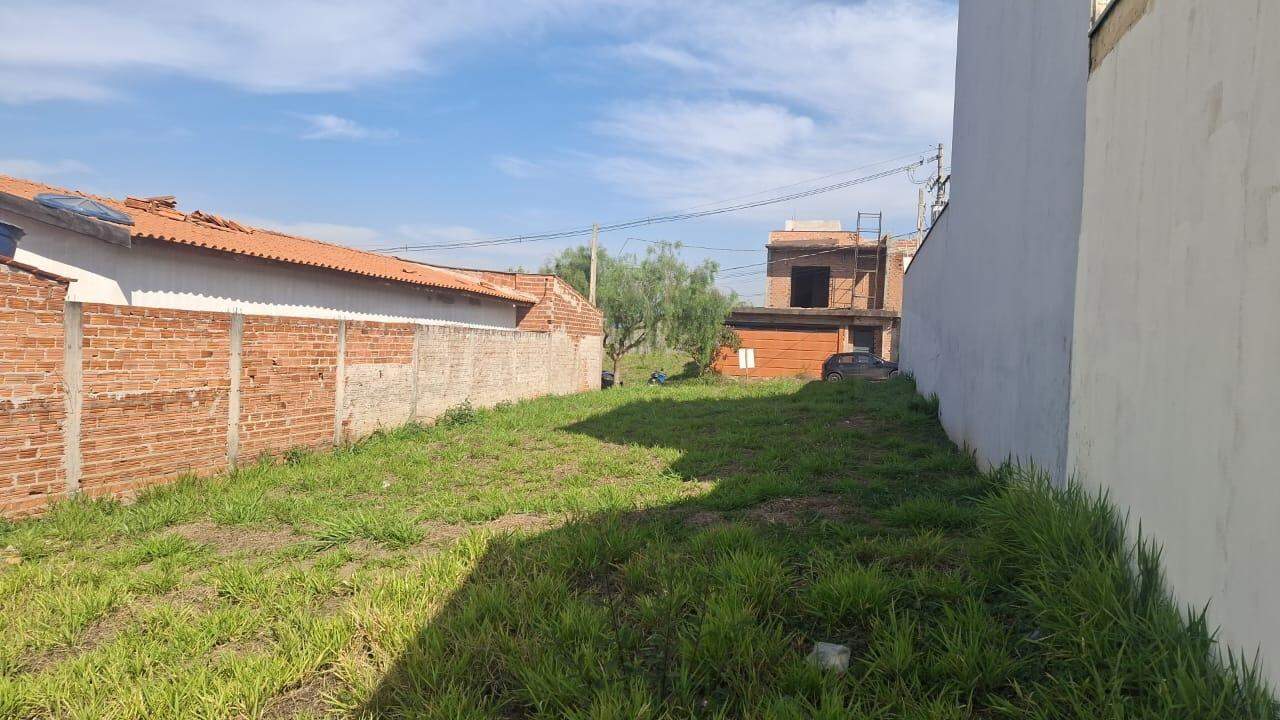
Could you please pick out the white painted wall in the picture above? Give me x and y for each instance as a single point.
(988, 300)
(167, 275)
(1176, 378)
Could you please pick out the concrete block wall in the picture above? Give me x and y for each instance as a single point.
(106, 400)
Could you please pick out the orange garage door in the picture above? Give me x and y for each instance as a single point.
(779, 353)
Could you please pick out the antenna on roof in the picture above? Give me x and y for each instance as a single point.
(82, 205)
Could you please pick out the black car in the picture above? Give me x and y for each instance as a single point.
(857, 365)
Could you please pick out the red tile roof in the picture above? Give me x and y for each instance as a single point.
(33, 270)
(158, 221)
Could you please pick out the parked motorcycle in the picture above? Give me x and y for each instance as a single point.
(658, 377)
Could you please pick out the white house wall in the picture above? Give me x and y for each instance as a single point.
(1176, 370)
(988, 300)
(166, 275)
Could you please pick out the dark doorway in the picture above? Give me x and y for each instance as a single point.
(810, 287)
(864, 339)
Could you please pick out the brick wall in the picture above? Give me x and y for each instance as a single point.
(559, 306)
(288, 384)
(140, 396)
(32, 406)
(154, 398)
(895, 271)
(851, 285)
(378, 368)
(487, 367)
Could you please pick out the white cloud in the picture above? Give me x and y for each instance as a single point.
(888, 63)
(746, 94)
(19, 86)
(81, 50)
(515, 167)
(689, 130)
(769, 93)
(334, 127)
(41, 170)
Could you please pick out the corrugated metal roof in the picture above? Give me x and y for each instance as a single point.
(160, 222)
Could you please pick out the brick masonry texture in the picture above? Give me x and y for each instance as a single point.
(852, 286)
(288, 384)
(379, 377)
(31, 395)
(559, 306)
(156, 386)
(487, 367)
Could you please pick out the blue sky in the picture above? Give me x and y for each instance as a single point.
(388, 121)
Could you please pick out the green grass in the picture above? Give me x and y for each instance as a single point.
(638, 553)
(637, 366)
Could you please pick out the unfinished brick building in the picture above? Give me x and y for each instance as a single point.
(827, 290)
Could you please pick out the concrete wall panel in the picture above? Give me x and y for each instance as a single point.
(1176, 372)
(989, 298)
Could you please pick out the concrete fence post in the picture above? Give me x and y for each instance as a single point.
(415, 364)
(234, 368)
(72, 392)
(340, 385)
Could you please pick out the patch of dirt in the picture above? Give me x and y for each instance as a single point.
(784, 511)
(857, 422)
(102, 630)
(234, 648)
(793, 511)
(704, 519)
(227, 539)
(521, 521)
(439, 533)
(306, 700)
(195, 596)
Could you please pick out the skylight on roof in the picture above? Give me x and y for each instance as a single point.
(81, 205)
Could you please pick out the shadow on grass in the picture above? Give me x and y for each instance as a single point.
(837, 513)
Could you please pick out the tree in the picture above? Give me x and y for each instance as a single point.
(654, 298)
(573, 265)
(697, 327)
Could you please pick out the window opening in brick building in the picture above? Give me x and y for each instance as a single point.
(810, 287)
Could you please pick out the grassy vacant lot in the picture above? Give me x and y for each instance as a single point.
(639, 553)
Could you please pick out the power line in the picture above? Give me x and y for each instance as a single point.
(696, 247)
(655, 220)
(755, 268)
(813, 179)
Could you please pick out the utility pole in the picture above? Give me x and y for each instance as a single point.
(939, 183)
(920, 216)
(942, 187)
(595, 247)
